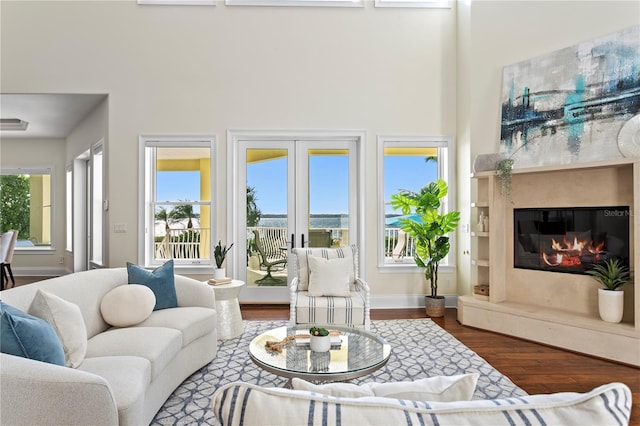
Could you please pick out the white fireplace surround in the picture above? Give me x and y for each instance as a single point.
(547, 307)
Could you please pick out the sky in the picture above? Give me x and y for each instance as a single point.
(176, 186)
(327, 180)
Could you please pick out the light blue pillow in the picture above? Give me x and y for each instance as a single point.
(160, 281)
(26, 336)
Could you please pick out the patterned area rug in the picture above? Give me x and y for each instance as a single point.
(420, 348)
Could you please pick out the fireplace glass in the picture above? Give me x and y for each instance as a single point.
(570, 240)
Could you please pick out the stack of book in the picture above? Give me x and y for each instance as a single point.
(219, 281)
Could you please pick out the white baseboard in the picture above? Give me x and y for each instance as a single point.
(399, 301)
(36, 271)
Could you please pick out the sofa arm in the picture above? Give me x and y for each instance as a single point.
(191, 292)
(37, 393)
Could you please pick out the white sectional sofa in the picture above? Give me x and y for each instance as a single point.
(127, 373)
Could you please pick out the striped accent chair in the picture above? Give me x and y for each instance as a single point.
(349, 309)
(242, 403)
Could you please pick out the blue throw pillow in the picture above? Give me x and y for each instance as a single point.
(27, 336)
(160, 281)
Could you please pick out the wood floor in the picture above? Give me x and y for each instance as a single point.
(534, 367)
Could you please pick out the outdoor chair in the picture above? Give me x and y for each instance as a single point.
(7, 245)
(400, 247)
(326, 288)
(272, 249)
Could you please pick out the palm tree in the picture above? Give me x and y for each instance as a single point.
(184, 211)
(253, 212)
(164, 215)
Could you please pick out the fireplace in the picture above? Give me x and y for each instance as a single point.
(570, 240)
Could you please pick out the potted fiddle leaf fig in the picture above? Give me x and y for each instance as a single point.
(429, 226)
(612, 275)
(220, 254)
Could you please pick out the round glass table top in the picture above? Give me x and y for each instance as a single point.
(354, 353)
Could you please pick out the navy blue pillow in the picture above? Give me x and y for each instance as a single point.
(160, 281)
(27, 336)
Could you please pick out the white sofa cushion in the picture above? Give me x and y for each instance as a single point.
(330, 310)
(66, 319)
(128, 377)
(127, 305)
(157, 344)
(243, 403)
(438, 388)
(192, 322)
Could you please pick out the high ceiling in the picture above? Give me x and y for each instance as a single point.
(50, 116)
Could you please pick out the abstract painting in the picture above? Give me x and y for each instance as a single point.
(569, 105)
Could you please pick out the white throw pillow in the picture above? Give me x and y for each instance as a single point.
(329, 277)
(437, 388)
(127, 305)
(341, 390)
(66, 319)
(302, 256)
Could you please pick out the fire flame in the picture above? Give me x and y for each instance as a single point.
(568, 253)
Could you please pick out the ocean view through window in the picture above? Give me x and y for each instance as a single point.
(407, 163)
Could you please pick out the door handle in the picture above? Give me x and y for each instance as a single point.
(293, 241)
(302, 240)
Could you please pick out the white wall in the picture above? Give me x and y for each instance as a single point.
(204, 70)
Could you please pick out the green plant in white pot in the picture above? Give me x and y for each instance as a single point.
(612, 274)
(220, 254)
(429, 233)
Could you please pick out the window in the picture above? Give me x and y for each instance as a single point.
(180, 2)
(26, 195)
(178, 189)
(321, 3)
(408, 163)
(444, 4)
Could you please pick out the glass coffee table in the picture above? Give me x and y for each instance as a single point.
(354, 353)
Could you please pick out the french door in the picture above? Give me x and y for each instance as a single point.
(297, 193)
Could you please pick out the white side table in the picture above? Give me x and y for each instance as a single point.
(230, 323)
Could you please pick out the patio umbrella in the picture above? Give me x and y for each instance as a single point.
(395, 220)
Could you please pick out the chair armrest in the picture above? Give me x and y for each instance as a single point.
(293, 298)
(362, 285)
(192, 292)
(38, 393)
(293, 287)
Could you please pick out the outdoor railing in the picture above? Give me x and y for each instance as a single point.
(193, 243)
(339, 236)
(190, 243)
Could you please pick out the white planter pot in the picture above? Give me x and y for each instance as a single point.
(320, 343)
(219, 273)
(610, 304)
